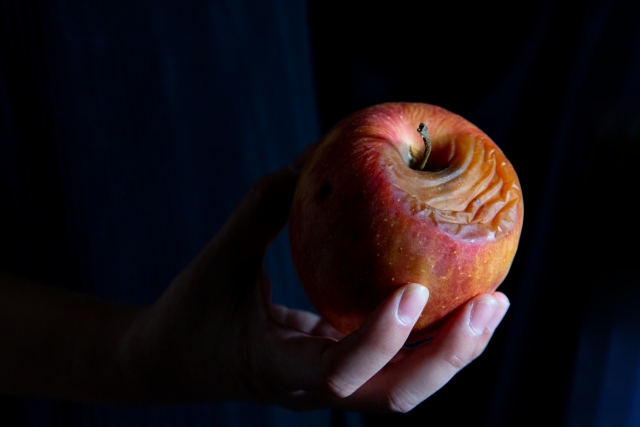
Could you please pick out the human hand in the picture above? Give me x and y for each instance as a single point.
(216, 335)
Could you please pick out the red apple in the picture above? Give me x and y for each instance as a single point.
(365, 221)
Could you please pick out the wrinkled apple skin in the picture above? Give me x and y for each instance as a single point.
(364, 223)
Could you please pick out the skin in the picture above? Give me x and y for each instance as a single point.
(364, 223)
(215, 335)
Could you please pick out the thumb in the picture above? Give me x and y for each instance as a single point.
(263, 211)
(259, 217)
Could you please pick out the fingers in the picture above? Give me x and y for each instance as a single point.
(332, 370)
(349, 363)
(503, 306)
(463, 339)
(304, 321)
(403, 385)
(369, 370)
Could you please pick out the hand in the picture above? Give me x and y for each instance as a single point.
(216, 335)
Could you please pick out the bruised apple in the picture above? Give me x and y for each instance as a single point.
(399, 193)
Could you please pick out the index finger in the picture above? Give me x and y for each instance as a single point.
(403, 385)
(349, 363)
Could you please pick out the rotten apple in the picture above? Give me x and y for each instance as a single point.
(399, 193)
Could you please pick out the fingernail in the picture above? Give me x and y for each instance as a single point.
(297, 163)
(481, 314)
(413, 299)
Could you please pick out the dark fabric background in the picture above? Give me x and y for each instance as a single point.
(129, 132)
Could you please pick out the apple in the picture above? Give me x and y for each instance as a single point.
(366, 220)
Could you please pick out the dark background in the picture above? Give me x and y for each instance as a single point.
(130, 132)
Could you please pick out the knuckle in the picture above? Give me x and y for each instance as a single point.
(335, 386)
(335, 381)
(455, 362)
(399, 402)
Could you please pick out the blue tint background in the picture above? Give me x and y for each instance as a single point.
(128, 133)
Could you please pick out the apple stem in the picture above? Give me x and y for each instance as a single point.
(424, 133)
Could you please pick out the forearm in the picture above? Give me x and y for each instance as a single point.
(55, 343)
